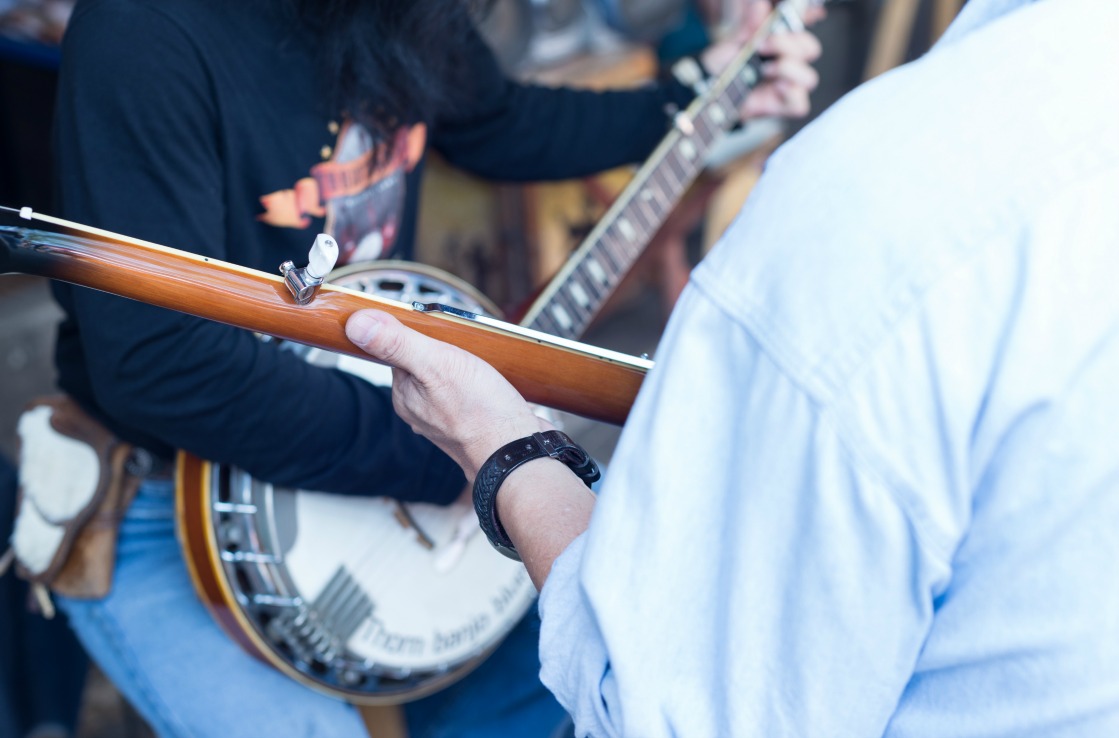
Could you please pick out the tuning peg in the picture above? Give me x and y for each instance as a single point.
(303, 282)
(323, 256)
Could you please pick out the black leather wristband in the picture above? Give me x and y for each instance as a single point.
(555, 444)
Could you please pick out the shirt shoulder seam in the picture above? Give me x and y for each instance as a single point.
(850, 439)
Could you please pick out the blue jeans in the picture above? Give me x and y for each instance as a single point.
(160, 647)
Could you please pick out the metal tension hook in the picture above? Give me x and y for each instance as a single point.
(304, 281)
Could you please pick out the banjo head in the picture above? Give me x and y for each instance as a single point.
(364, 598)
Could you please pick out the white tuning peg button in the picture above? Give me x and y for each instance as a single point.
(323, 256)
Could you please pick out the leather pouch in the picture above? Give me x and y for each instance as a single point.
(75, 486)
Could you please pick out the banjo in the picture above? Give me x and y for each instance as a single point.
(379, 602)
(311, 315)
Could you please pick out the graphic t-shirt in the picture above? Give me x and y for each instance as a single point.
(359, 191)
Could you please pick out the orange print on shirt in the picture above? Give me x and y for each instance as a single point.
(310, 196)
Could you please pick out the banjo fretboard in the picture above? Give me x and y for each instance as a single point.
(574, 296)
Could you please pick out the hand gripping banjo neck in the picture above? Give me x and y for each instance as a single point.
(546, 370)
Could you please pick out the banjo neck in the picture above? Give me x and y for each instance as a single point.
(546, 370)
(570, 301)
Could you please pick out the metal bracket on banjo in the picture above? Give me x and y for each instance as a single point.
(303, 282)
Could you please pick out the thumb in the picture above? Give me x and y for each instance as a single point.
(387, 340)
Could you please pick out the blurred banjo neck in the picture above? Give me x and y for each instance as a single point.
(570, 301)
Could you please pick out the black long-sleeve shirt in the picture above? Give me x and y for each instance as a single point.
(198, 124)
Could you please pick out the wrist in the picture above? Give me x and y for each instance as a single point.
(497, 435)
(528, 487)
(511, 456)
(544, 507)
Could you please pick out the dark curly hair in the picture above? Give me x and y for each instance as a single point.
(392, 62)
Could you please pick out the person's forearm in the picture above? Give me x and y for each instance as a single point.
(543, 507)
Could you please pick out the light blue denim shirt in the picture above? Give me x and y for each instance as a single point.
(872, 485)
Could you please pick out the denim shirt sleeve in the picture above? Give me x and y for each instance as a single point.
(747, 572)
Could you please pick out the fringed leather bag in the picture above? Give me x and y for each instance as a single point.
(75, 485)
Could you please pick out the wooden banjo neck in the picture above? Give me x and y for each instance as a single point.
(550, 371)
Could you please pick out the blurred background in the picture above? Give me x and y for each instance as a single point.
(507, 240)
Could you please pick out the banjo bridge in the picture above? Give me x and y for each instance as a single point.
(407, 521)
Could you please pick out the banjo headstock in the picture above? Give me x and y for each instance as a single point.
(13, 241)
(26, 248)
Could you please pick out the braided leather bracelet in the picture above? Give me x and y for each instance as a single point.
(556, 444)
